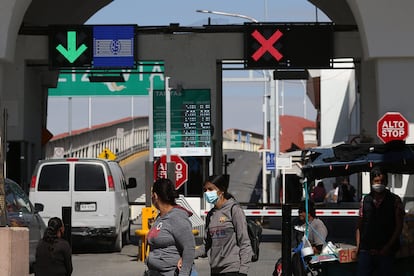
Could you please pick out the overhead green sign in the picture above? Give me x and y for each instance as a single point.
(190, 122)
(137, 82)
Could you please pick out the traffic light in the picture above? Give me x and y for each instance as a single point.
(70, 46)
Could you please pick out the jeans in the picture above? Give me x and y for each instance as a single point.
(369, 263)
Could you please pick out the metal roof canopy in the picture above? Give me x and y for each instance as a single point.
(345, 159)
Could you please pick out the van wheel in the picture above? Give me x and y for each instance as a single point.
(127, 235)
(118, 241)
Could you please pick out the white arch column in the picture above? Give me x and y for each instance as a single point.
(387, 68)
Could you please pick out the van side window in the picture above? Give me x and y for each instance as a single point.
(54, 178)
(89, 177)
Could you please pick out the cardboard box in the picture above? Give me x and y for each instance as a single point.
(347, 255)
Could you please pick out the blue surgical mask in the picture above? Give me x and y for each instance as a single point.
(379, 188)
(211, 196)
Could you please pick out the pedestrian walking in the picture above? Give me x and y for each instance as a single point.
(226, 240)
(170, 239)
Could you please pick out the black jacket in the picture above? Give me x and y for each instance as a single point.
(53, 260)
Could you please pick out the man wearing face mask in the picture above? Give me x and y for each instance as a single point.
(226, 241)
(379, 227)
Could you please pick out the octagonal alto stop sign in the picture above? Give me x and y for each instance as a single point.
(181, 169)
(392, 126)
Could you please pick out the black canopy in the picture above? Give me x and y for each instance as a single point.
(346, 159)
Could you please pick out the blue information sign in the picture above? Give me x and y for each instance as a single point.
(114, 46)
(270, 161)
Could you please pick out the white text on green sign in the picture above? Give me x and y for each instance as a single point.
(137, 83)
(190, 122)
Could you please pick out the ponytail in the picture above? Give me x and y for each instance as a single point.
(53, 226)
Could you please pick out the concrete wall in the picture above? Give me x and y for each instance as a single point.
(339, 106)
(14, 259)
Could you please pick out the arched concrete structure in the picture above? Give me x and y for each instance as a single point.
(24, 76)
(386, 67)
(383, 47)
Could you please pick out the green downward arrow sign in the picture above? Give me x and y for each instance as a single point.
(71, 53)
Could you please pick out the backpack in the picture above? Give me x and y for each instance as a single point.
(255, 234)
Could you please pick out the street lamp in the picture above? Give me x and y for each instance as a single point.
(229, 14)
(267, 78)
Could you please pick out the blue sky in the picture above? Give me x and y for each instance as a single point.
(237, 97)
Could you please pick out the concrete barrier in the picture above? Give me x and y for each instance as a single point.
(14, 254)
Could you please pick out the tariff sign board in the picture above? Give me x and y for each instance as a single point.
(181, 169)
(392, 126)
(190, 122)
(269, 45)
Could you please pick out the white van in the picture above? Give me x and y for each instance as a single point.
(96, 191)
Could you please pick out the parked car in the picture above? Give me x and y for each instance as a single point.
(21, 213)
(96, 191)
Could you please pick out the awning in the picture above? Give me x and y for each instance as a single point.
(346, 159)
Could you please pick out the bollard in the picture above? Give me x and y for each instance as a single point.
(148, 216)
(286, 239)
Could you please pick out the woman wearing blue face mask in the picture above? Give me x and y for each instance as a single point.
(226, 241)
(379, 227)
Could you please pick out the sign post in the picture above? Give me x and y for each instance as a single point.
(181, 169)
(392, 126)
(284, 163)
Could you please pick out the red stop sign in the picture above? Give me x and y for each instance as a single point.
(181, 169)
(392, 126)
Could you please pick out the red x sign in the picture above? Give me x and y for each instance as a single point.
(267, 45)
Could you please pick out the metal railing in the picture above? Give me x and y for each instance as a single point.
(123, 138)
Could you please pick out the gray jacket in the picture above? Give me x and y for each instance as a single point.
(226, 241)
(170, 238)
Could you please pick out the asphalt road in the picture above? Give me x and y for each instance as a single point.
(125, 263)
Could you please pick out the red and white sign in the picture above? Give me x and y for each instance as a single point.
(181, 169)
(392, 126)
(278, 212)
(267, 45)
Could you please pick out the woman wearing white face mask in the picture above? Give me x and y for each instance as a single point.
(226, 240)
(379, 227)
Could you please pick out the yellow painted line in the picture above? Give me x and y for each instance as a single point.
(133, 157)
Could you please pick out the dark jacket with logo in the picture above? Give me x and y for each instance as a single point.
(227, 240)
